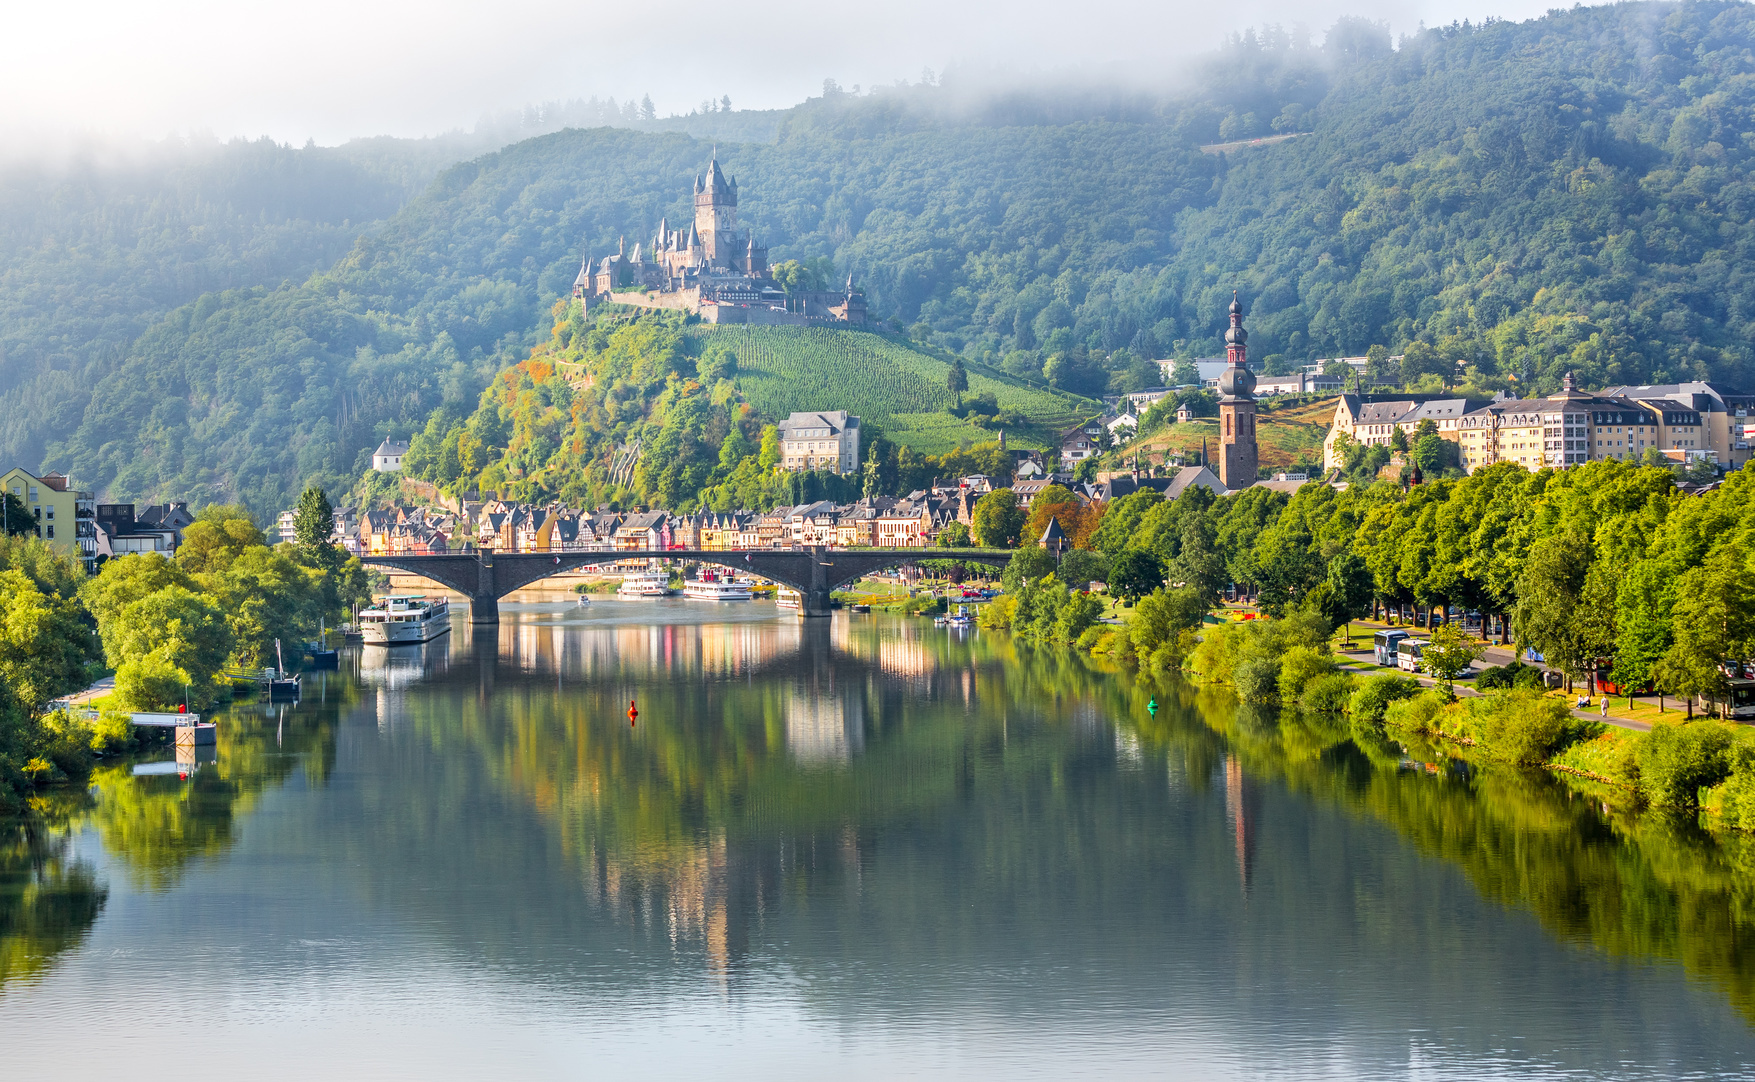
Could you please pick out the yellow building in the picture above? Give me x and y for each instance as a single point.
(62, 515)
(1564, 429)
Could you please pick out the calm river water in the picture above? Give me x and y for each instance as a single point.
(861, 846)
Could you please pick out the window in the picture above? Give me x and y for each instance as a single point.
(51, 531)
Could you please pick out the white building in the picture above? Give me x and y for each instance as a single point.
(388, 457)
(820, 441)
(285, 527)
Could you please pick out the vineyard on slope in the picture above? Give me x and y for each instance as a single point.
(901, 389)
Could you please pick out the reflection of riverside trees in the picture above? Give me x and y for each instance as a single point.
(48, 899)
(157, 824)
(1647, 886)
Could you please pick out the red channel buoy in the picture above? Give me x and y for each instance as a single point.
(632, 713)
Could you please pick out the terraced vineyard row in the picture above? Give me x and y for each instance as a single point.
(783, 369)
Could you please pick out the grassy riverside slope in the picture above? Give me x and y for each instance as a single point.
(1283, 436)
(881, 379)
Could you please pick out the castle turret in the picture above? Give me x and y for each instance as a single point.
(1237, 450)
(716, 214)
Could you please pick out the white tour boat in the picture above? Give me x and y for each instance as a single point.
(405, 618)
(645, 584)
(787, 598)
(712, 586)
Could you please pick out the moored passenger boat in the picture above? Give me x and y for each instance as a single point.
(405, 619)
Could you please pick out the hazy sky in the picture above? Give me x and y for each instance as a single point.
(334, 69)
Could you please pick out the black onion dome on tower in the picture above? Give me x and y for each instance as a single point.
(1237, 381)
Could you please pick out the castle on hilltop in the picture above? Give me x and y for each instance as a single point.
(714, 270)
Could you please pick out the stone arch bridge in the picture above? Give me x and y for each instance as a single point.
(485, 577)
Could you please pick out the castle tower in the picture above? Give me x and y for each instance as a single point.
(716, 215)
(1237, 455)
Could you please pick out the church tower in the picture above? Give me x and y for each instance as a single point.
(1237, 457)
(716, 216)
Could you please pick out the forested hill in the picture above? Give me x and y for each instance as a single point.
(1571, 192)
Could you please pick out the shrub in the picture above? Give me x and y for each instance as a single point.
(998, 613)
(1415, 714)
(1257, 679)
(1376, 693)
(1327, 694)
(1734, 801)
(1506, 677)
(1299, 667)
(1521, 726)
(1677, 761)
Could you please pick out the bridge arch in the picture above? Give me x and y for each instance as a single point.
(814, 572)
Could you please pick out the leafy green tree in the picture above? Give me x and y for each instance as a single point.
(1449, 654)
(1643, 604)
(1349, 589)
(1082, 566)
(17, 517)
(172, 636)
(314, 531)
(954, 535)
(45, 643)
(957, 381)
(1712, 625)
(998, 519)
(1027, 565)
(1086, 471)
(1549, 594)
(266, 596)
(1135, 573)
(216, 538)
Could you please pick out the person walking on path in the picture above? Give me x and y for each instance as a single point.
(1605, 708)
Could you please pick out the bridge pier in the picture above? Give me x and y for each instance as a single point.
(484, 609)
(814, 598)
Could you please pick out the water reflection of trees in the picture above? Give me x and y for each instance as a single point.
(733, 791)
(157, 824)
(1642, 886)
(49, 898)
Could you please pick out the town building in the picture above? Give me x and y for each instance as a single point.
(60, 512)
(1237, 449)
(388, 457)
(714, 269)
(1566, 428)
(820, 441)
(119, 531)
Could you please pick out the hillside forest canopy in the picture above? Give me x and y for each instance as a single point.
(1519, 198)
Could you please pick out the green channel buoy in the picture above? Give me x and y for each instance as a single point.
(1152, 708)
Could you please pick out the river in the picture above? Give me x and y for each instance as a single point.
(862, 846)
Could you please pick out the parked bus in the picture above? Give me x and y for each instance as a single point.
(1407, 654)
(1385, 644)
(1741, 703)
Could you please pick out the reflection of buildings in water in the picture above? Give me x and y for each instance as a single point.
(1241, 810)
(728, 649)
(823, 726)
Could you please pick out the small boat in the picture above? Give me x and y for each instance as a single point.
(282, 687)
(713, 587)
(352, 633)
(322, 657)
(405, 619)
(860, 607)
(961, 618)
(584, 601)
(645, 584)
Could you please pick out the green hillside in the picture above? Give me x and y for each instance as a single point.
(881, 379)
(1569, 193)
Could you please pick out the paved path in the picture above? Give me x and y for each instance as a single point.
(106, 686)
(1365, 658)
